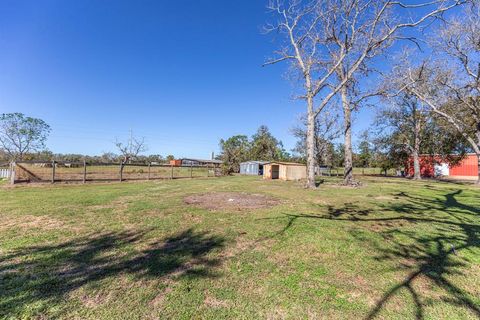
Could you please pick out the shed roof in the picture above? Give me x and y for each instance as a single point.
(286, 163)
(201, 160)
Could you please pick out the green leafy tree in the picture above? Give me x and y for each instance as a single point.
(364, 157)
(20, 134)
(265, 146)
(234, 150)
(338, 155)
(282, 154)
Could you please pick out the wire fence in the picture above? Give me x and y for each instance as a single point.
(333, 171)
(61, 171)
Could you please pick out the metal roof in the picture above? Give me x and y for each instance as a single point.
(286, 163)
(202, 160)
(254, 162)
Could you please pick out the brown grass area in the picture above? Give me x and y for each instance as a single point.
(231, 201)
(94, 300)
(28, 222)
(160, 298)
(212, 302)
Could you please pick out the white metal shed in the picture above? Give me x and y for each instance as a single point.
(252, 168)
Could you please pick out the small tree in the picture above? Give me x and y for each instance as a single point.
(131, 149)
(386, 155)
(20, 134)
(365, 150)
(408, 129)
(409, 123)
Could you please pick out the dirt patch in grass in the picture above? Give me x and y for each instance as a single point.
(231, 201)
(212, 302)
(94, 300)
(388, 198)
(160, 298)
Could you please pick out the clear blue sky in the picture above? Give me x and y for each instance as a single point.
(183, 74)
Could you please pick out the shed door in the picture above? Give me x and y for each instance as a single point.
(275, 171)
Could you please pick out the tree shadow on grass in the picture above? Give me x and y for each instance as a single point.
(433, 255)
(46, 274)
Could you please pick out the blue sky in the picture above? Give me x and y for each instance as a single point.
(183, 74)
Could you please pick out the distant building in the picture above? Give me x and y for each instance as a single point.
(176, 163)
(284, 171)
(436, 166)
(252, 168)
(195, 162)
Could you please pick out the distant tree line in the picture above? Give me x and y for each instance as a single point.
(107, 157)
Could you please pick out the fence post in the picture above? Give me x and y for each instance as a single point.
(172, 172)
(121, 171)
(149, 164)
(53, 171)
(84, 171)
(191, 170)
(12, 172)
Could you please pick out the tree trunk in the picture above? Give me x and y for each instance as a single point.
(310, 145)
(416, 166)
(416, 150)
(347, 123)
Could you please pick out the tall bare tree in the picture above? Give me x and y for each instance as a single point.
(329, 42)
(451, 87)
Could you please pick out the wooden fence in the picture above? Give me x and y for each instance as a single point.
(62, 171)
(333, 171)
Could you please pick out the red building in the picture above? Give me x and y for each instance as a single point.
(176, 163)
(434, 166)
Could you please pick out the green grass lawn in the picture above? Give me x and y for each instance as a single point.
(392, 249)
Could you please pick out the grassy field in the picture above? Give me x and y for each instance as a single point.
(391, 249)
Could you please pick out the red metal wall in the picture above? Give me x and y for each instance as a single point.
(468, 167)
